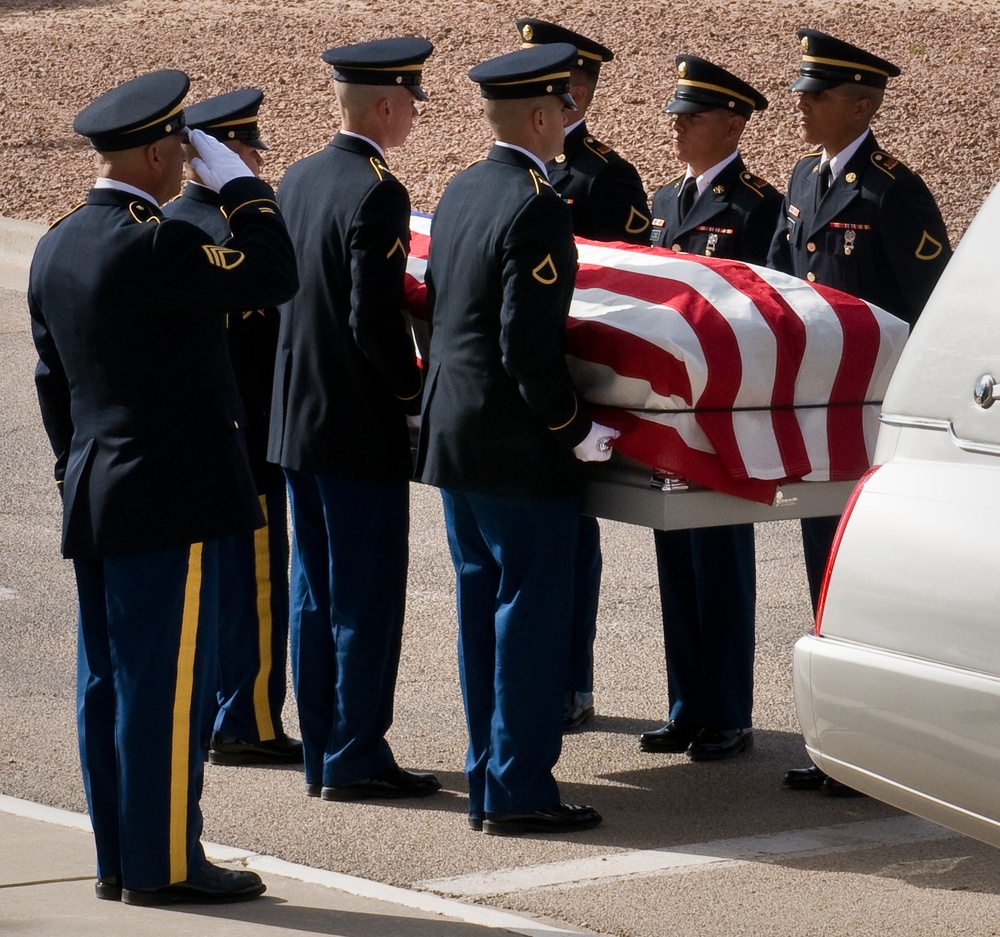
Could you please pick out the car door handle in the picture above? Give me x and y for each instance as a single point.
(985, 393)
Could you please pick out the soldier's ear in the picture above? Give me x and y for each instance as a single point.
(864, 109)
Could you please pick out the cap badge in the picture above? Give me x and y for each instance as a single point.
(527, 32)
(682, 69)
(805, 43)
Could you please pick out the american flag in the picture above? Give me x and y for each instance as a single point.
(729, 375)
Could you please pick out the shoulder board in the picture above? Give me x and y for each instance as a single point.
(142, 213)
(64, 217)
(755, 183)
(599, 149)
(473, 163)
(676, 178)
(381, 170)
(539, 180)
(888, 164)
(814, 154)
(174, 199)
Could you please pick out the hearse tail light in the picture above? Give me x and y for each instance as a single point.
(848, 508)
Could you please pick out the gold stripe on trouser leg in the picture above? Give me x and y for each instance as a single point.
(181, 740)
(262, 558)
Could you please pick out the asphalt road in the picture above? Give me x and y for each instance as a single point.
(685, 849)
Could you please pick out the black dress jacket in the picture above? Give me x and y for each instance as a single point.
(137, 393)
(877, 233)
(500, 411)
(734, 219)
(346, 373)
(251, 335)
(604, 191)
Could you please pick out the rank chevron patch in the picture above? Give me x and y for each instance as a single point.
(223, 257)
(546, 272)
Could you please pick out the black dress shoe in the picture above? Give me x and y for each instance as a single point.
(108, 889)
(209, 885)
(672, 739)
(804, 779)
(224, 750)
(562, 818)
(578, 710)
(476, 823)
(718, 744)
(396, 782)
(833, 788)
(313, 790)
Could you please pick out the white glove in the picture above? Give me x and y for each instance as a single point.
(216, 164)
(597, 446)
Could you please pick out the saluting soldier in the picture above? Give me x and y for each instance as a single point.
(501, 432)
(707, 579)
(856, 219)
(346, 379)
(608, 203)
(253, 568)
(143, 413)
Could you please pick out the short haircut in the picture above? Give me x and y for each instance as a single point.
(508, 116)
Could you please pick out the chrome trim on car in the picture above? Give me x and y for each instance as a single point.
(919, 422)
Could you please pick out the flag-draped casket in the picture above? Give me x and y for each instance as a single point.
(730, 375)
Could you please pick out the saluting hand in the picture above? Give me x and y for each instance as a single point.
(216, 164)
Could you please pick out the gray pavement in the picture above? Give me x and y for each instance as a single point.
(46, 890)
(685, 849)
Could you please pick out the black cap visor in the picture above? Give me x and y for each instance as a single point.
(809, 83)
(680, 106)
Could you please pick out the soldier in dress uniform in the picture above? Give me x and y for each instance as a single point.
(501, 434)
(856, 219)
(716, 207)
(608, 203)
(141, 407)
(707, 580)
(346, 381)
(253, 568)
(604, 191)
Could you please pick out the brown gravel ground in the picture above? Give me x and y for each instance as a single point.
(940, 116)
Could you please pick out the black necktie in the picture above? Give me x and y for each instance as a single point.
(823, 182)
(688, 191)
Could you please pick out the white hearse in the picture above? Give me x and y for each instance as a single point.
(898, 688)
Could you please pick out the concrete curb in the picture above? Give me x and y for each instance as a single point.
(18, 240)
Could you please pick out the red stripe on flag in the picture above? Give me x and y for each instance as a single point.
(845, 425)
(715, 335)
(420, 244)
(628, 355)
(664, 449)
(790, 345)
